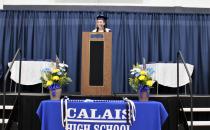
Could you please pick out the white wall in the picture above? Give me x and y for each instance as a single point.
(28, 2)
(183, 3)
(164, 3)
(1, 4)
(72, 2)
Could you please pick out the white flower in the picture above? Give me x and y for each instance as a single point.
(43, 75)
(134, 70)
(63, 65)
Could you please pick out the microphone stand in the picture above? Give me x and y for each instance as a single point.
(5, 84)
(180, 57)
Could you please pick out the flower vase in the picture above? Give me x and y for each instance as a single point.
(55, 92)
(143, 93)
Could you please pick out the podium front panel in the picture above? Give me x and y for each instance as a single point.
(96, 63)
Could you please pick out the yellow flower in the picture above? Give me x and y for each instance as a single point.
(143, 72)
(56, 78)
(56, 70)
(149, 83)
(142, 77)
(49, 83)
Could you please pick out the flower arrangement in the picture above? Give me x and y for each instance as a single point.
(141, 77)
(55, 76)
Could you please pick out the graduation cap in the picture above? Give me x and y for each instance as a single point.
(101, 17)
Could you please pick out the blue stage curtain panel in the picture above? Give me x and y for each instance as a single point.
(110, 115)
(156, 36)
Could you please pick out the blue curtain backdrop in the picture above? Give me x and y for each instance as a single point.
(155, 36)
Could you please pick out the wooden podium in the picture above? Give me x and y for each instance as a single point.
(96, 63)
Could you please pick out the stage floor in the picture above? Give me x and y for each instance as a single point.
(113, 95)
(30, 102)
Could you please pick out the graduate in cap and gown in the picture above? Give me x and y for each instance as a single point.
(101, 24)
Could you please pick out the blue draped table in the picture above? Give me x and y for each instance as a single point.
(102, 115)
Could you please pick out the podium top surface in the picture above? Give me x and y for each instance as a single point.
(97, 35)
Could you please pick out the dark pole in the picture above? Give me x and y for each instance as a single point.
(178, 91)
(19, 90)
(4, 88)
(191, 94)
